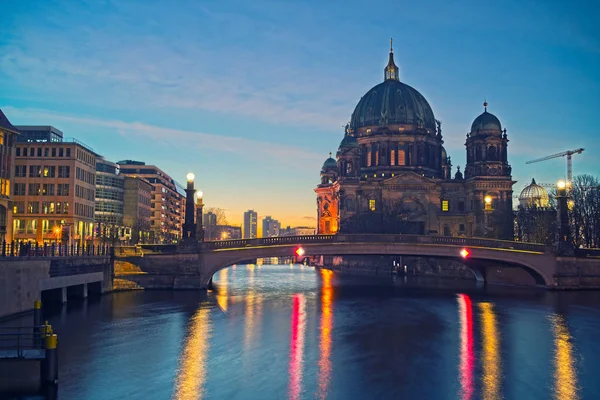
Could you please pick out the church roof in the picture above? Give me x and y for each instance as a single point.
(5, 123)
(486, 122)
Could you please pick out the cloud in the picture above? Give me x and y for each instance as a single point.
(309, 218)
(182, 138)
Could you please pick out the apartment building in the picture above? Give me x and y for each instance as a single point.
(8, 136)
(54, 191)
(137, 209)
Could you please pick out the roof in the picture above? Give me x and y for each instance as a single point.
(5, 123)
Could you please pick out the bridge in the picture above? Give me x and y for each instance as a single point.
(173, 267)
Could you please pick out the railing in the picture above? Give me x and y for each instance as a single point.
(26, 249)
(374, 238)
(21, 342)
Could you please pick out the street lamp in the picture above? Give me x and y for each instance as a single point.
(57, 230)
(561, 185)
(190, 177)
(564, 244)
(488, 207)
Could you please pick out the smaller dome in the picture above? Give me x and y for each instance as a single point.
(444, 155)
(349, 141)
(534, 194)
(330, 163)
(486, 122)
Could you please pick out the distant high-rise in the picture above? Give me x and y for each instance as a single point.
(250, 224)
(270, 227)
(210, 226)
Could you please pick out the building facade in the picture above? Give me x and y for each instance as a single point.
(270, 227)
(39, 134)
(391, 173)
(210, 226)
(250, 226)
(137, 209)
(168, 202)
(54, 192)
(8, 136)
(110, 196)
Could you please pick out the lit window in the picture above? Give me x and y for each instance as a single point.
(401, 158)
(393, 158)
(372, 204)
(444, 205)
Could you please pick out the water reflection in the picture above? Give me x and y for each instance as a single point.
(192, 365)
(491, 352)
(467, 355)
(297, 346)
(565, 375)
(253, 312)
(222, 297)
(325, 338)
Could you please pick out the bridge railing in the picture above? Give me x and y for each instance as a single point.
(27, 249)
(374, 238)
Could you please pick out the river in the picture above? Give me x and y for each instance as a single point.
(277, 332)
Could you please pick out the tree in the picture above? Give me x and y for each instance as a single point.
(584, 206)
(536, 224)
(220, 213)
(389, 216)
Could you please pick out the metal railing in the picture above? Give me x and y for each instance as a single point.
(28, 249)
(374, 238)
(22, 342)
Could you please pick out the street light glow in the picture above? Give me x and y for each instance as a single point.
(300, 251)
(199, 194)
(561, 184)
(191, 177)
(488, 199)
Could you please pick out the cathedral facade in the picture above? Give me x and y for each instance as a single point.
(391, 173)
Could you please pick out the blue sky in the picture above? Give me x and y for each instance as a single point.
(252, 95)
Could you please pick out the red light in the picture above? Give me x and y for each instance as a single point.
(464, 253)
(300, 251)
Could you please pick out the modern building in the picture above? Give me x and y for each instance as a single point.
(392, 174)
(270, 227)
(168, 202)
(39, 134)
(249, 227)
(8, 136)
(210, 226)
(137, 209)
(110, 197)
(54, 192)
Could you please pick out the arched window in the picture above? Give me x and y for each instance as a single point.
(393, 157)
(349, 169)
(401, 157)
(492, 153)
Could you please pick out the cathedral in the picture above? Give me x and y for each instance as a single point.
(391, 173)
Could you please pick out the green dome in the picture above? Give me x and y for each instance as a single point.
(349, 141)
(393, 102)
(330, 163)
(486, 122)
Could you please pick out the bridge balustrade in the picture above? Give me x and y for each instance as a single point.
(374, 238)
(27, 249)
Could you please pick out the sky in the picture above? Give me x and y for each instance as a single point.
(251, 96)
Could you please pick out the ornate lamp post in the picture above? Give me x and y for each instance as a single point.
(199, 216)
(564, 243)
(189, 228)
(488, 208)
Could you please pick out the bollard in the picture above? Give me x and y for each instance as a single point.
(49, 368)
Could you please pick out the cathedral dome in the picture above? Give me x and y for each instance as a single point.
(486, 122)
(533, 194)
(393, 102)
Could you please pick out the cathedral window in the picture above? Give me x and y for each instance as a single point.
(376, 157)
(401, 158)
(372, 204)
(349, 168)
(445, 205)
(461, 228)
(461, 206)
(393, 157)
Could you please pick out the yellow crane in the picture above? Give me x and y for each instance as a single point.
(567, 153)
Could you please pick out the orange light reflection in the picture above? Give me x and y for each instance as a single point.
(192, 364)
(565, 373)
(491, 352)
(222, 296)
(325, 339)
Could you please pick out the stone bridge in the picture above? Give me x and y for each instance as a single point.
(172, 267)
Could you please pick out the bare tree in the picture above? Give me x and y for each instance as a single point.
(535, 224)
(584, 206)
(219, 212)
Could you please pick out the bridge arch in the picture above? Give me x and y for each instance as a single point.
(538, 264)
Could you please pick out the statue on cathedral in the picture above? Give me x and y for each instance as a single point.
(439, 126)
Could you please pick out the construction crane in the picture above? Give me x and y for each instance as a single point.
(567, 153)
